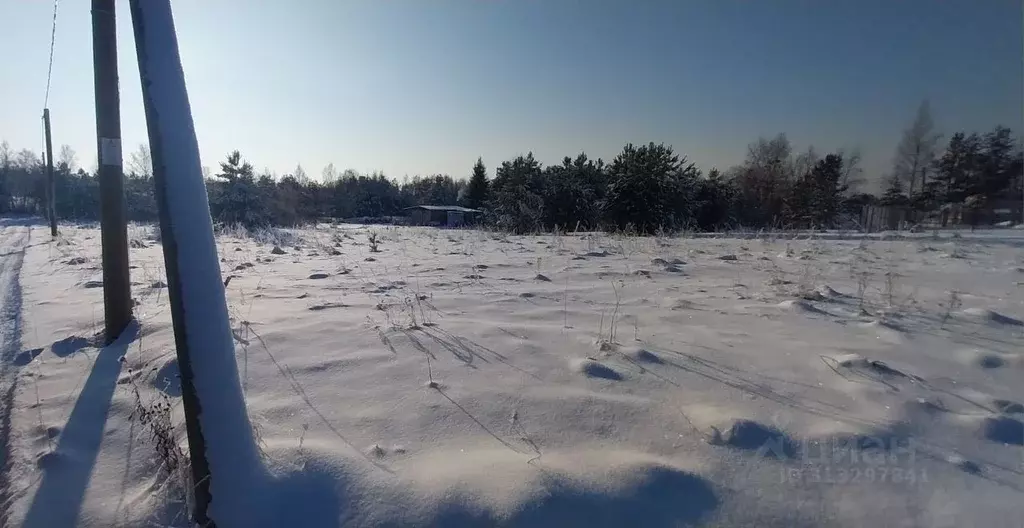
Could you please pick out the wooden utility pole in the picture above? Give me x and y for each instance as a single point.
(51, 209)
(225, 461)
(117, 295)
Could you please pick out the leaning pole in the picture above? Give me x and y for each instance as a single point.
(225, 460)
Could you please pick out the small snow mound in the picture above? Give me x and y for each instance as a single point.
(542, 278)
(50, 460)
(882, 323)
(26, 357)
(923, 407)
(318, 276)
(679, 304)
(964, 464)
(990, 361)
(641, 355)
(812, 295)
(69, 345)
(592, 368)
(827, 292)
(986, 359)
(799, 305)
(851, 361)
(168, 380)
(457, 487)
(325, 306)
(1008, 406)
(277, 251)
(751, 435)
(1003, 429)
(991, 316)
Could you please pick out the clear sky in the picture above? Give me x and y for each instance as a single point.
(426, 86)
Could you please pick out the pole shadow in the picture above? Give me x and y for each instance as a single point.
(68, 468)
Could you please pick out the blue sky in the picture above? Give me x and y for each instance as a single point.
(426, 86)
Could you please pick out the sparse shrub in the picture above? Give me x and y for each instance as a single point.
(952, 305)
(373, 239)
(155, 418)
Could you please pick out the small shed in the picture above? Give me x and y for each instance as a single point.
(442, 215)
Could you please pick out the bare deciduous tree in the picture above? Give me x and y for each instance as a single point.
(300, 175)
(916, 151)
(852, 176)
(67, 161)
(140, 162)
(6, 155)
(329, 174)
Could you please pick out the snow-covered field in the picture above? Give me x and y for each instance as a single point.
(579, 380)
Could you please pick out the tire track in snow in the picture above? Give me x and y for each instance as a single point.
(14, 236)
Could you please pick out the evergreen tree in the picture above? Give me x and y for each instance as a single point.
(650, 188)
(957, 169)
(476, 193)
(439, 189)
(715, 202)
(571, 193)
(997, 167)
(826, 193)
(515, 201)
(236, 199)
(894, 194)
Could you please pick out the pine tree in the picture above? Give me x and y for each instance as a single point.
(476, 192)
(958, 167)
(715, 201)
(894, 194)
(650, 188)
(826, 193)
(996, 164)
(514, 197)
(237, 200)
(571, 193)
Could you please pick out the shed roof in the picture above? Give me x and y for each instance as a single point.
(444, 208)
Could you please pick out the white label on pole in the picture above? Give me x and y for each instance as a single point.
(110, 151)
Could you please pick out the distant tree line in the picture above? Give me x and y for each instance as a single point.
(975, 171)
(644, 189)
